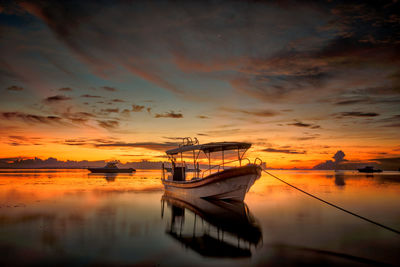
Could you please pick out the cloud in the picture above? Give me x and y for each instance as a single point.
(18, 140)
(392, 163)
(30, 118)
(342, 58)
(367, 96)
(394, 118)
(15, 88)
(300, 124)
(306, 125)
(351, 101)
(88, 141)
(285, 151)
(108, 124)
(137, 108)
(65, 89)
(174, 138)
(272, 52)
(283, 77)
(259, 113)
(77, 117)
(151, 76)
(114, 143)
(148, 145)
(83, 32)
(202, 117)
(394, 125)
(392, 121)
(224, 132)
(57, 98)
(305, 138)
(339, 156)
(110, 89)
(18, 137)
(170, 114)
(125, 112)
(116, 100)
(90, 96)
(110, 110)
(356, 114)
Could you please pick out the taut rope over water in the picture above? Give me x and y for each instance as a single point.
(335, 206)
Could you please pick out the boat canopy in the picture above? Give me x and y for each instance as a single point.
(210, 147)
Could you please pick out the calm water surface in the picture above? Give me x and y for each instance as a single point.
(72, 217)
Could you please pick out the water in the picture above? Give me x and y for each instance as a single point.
(72, 217)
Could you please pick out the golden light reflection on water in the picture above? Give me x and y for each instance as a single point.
(73, 216)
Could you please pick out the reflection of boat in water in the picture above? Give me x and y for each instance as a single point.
(111, 167)
(227, 182)
(369, 169)
(227, 229)
(110, 177)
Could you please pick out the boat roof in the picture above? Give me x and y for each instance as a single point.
(210, 147)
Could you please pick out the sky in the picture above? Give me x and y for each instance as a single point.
(101, 80)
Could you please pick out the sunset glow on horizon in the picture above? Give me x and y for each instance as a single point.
(126, 80)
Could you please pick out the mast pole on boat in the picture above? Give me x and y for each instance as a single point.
(162, 168)
(194, 161)
(209, 161)
(239, 159)
(182, 166)
(223, 167)
(198, 169)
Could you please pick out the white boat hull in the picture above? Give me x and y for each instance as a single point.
(232, 187)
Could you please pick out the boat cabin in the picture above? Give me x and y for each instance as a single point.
(199, 153)
(111, 165)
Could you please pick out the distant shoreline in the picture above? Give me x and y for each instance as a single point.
(85, 168)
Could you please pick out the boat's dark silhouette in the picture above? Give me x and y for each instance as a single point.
(111, 167)
(369, 169)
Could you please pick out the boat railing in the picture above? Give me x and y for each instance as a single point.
(215, 167)
(223, 165)
(258, 159)
(188, 141)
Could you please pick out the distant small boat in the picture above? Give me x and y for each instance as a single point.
(369, 169)
(111, 167)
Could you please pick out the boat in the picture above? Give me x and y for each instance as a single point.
(220, 228)
(221, 181)
(111, 167)
(369, 169)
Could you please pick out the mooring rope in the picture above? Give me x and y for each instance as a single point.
(335, 206)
